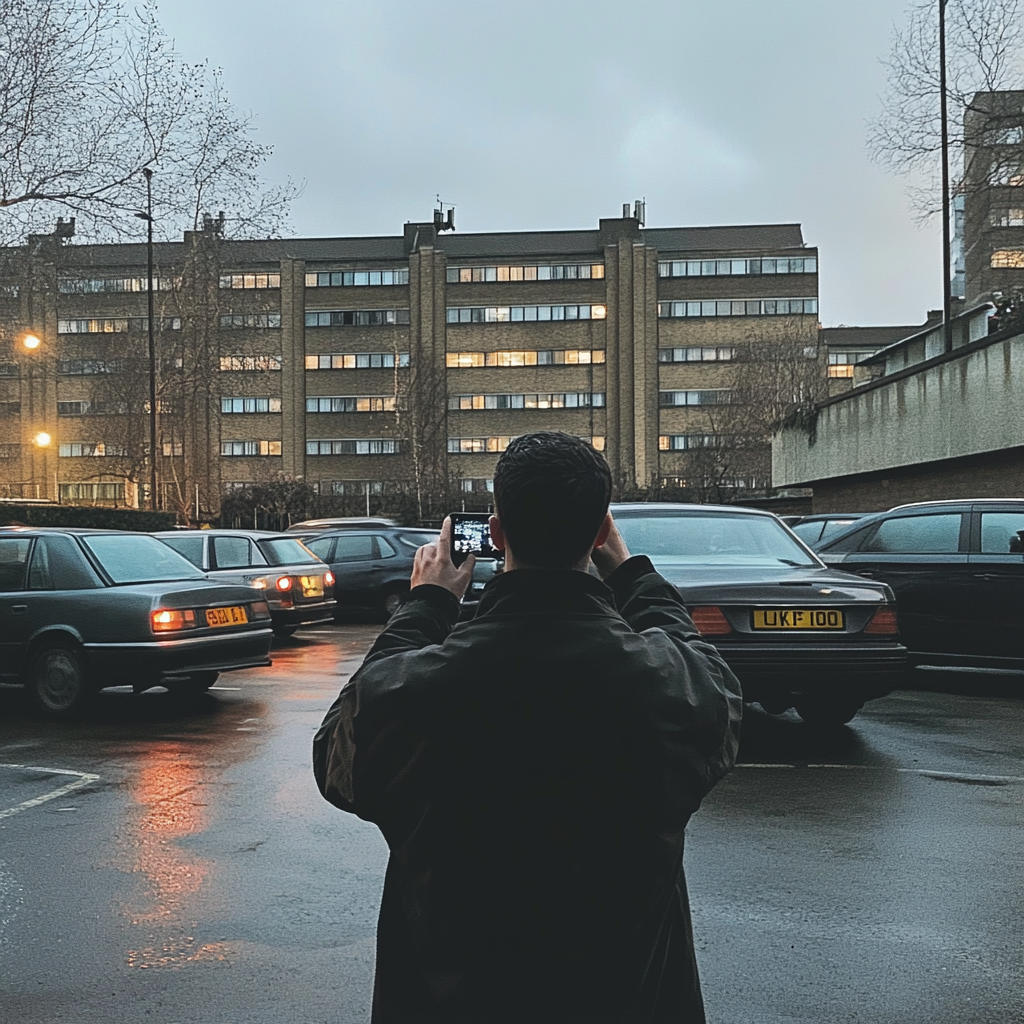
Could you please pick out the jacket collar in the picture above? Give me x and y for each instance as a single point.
(545, 591)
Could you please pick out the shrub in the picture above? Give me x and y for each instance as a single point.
(90, 517)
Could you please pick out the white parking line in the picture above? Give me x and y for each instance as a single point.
(81, 779)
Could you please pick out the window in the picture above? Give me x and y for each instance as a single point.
(1012, 217)
(516, 314)
(9, 450)
(1011, 258)
(247, 281)
(87, 449)
(738, 307)
(9, 291)
(696, 355)
(938, 534)
(232, 448)
(109, 325)
(92, 408)
(105, 285)
(88, 367)
(355, 548)
(684, 442)
(526, 357)
(557, 400)
(384, 549)
(243, 405)
(357, 278)
(720, 396)
(13, 559)
(356, 317)
(477, 485)
(353, 446)
(731, 267)
(234, 321)
(172, 448)
(356, 361)
(1002, 533)
(1006, 172)
(538, 272)
(474, 445)
(360, 487)
(321, 547)
(250, 363)
(345, 403)
(12, 408)
(232, 552)
(9, 370)
(91, 492)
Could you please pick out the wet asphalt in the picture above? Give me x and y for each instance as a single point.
(171, 860)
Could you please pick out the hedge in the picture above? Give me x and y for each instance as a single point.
(91, 517)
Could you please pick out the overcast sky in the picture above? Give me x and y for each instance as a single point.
(549, 114)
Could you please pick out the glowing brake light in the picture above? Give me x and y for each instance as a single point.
(329, 578)
(167, 620)
(284, 583)
(710, 621)
(883, 621)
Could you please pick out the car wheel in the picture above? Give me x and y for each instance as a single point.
(199, 682)
(827, 710)
(392, 602)
(57, 680)
(285, 631)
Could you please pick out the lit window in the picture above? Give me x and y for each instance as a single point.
(240, 448)
(248, 281)
(243, 405)
(529, 314)
(533, 272)
(356, 317)
(1008, 258)
(250, 363)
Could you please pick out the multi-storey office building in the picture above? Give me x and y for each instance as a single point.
(363, 363)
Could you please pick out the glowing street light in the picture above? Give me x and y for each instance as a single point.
(31, 341)
(42, 439)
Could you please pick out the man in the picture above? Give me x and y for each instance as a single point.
(533, 769)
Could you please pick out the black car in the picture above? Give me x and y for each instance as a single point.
(957, 570)
(795, 632)
(297, 585)
(81, 610)
(371, 566)
(816, 529)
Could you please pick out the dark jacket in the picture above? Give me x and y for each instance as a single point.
(532, 771)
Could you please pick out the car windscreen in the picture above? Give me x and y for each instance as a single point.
(286, 551)
(131, 558)
(712, 540)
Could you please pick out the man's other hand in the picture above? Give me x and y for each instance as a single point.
(612, 553)
(433, 564)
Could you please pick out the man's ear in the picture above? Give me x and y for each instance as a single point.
(497, 533)
(606, 529)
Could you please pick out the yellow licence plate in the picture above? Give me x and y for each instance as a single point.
(231, 616)
(798, 618)
(312, 586)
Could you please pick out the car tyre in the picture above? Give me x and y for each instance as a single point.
(392, 602)
(57, 680)
(827, 711)
(285, 631)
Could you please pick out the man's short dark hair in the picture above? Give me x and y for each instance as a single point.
(551, 492)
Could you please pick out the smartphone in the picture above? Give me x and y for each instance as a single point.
(471, 535)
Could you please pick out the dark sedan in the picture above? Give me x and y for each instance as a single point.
(81, 610)
(796, 633)
(297, 585)
(957, 569)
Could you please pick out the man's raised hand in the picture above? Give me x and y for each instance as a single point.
(433, 564)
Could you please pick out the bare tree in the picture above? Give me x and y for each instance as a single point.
(91, 92)
(984, 54)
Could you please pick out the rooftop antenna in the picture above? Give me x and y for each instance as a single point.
(441, 222)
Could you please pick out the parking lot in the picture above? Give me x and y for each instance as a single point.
(169, 859)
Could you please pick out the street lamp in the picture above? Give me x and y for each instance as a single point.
(30, 341)
(148, 218)
(42, 439)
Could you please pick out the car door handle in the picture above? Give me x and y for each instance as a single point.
(19, 609)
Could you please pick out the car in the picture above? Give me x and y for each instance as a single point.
(796, 633)
(814, 530)
(296, 584)
(314, 526)
(957, 570)
(81, 610)
(371, 565)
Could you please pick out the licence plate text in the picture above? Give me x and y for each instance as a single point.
(231, 616)
(798, 618)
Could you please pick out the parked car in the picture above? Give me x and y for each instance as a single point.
(311, 526)
(81, 610)
(957, 570)
(372, 565)
(296, 584)
(795, 632)
(815, 530)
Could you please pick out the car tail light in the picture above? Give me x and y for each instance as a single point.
(284, 583)
(259, 610)
(710, 621)
(166, 620)
(883, 622)
(329, 578)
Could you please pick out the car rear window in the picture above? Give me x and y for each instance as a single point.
(190, 547)
(712, 540)
(286, 551)
(131, 558)
(918, 535)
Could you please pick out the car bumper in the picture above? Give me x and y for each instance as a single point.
(303, 614)
(868, 670)
(181, 656)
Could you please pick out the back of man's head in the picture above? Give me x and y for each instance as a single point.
(551, 493)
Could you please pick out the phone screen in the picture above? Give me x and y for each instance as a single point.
(471, 535)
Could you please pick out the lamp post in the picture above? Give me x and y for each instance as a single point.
(148, 218)
(947, 285)
(42, 440)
